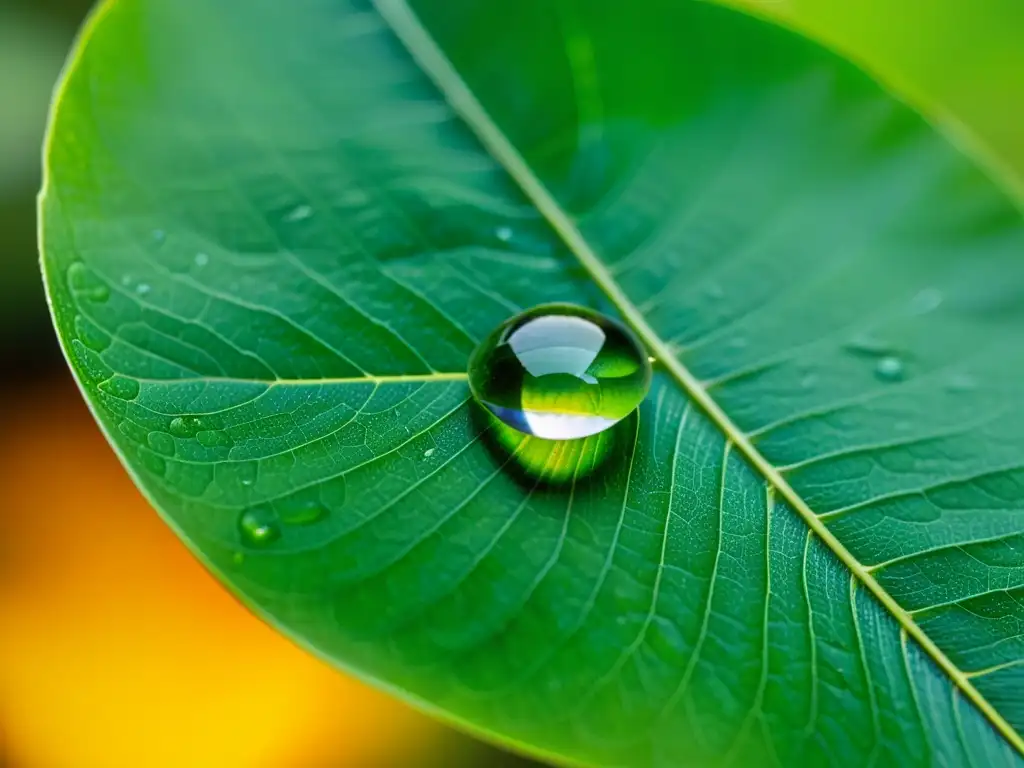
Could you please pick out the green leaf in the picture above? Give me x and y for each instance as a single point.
(273, 234)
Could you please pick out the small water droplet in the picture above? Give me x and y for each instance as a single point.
(927, 300)
(809, 380)
(652, 359)
(299, 213)
(428, 453)
(202, 259)
(961, 382)
(714, 291)
(238, 558)
(159, 235)
(126, 280)
(143, 288)
(738, 342)
(247, 481)
(503, 233)
(889, 368)
(259, 526)
(560, 372)
(185, 426)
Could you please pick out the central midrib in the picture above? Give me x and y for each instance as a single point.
(428, 55)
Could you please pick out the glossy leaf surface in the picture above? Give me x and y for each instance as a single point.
(272, 238)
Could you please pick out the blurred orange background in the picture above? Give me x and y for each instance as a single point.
(117, 648)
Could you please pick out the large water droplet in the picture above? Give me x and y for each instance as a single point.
(185, 426)
(889, 369)
(560, 372)
(259, 526)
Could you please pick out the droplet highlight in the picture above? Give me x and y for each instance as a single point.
(259, 527)
(299, 213)
(560, 372)
(889, 369)
(503, 233)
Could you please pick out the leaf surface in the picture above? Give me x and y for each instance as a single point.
(272, 237)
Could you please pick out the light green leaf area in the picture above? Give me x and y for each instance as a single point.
(274, 232)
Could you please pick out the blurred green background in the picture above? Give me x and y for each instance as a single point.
(117, 649)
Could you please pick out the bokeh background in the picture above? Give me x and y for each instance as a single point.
(116, 648)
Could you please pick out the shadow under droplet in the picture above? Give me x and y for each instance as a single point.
(536, 463)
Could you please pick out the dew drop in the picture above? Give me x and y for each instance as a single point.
(889, 368)
(185, 426)
(258, 526)
(202, 259)
(428, 453)
(159, 235)
(503, 233)
(738, 343)
(560, 372)
(299, 213)
(809, 380)
(143, 288)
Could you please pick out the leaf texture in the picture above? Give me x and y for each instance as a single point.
(272, 237)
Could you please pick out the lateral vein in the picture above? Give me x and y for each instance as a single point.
(425, 51)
